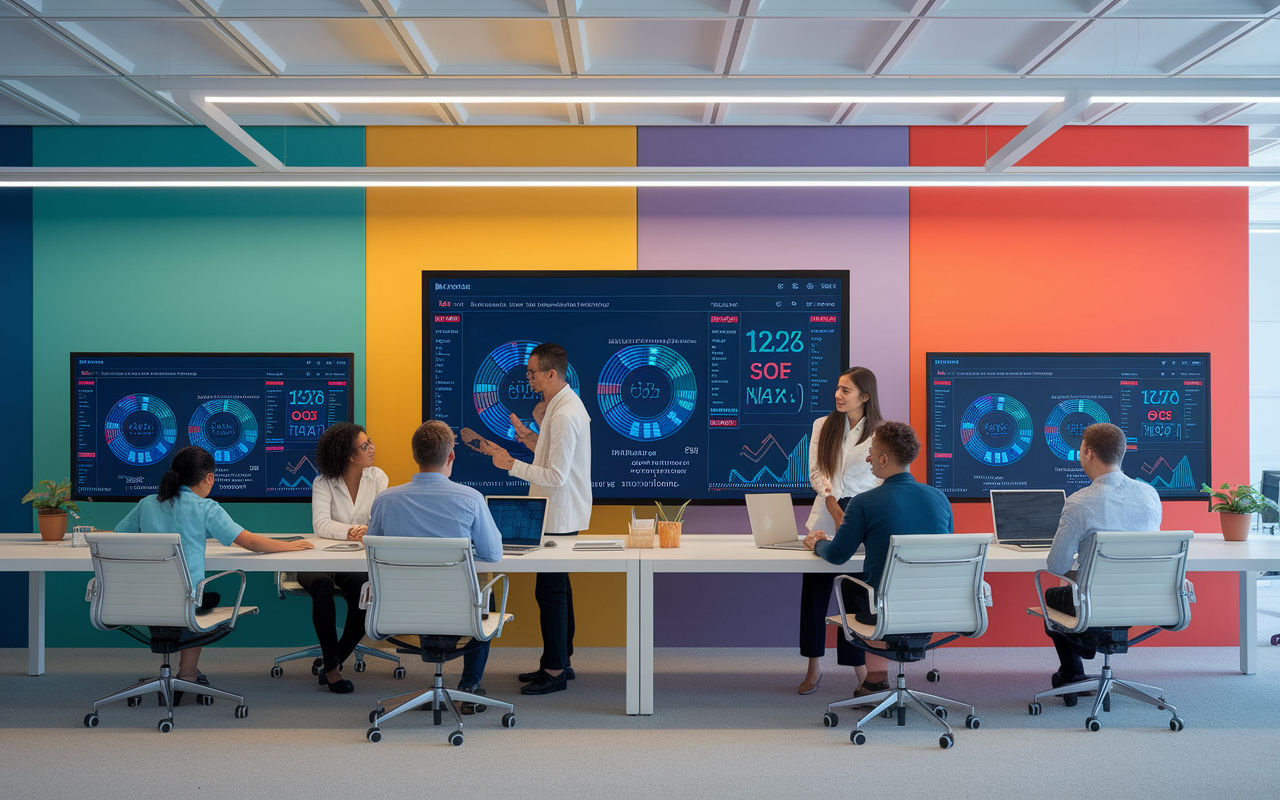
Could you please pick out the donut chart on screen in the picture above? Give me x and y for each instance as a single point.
(1071, 417)
(646, 392)
(140, 429)
(226, 428)
(500, 386)
(996, 429)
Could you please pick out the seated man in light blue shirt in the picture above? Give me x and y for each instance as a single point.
(1113, 502)
(432, 505)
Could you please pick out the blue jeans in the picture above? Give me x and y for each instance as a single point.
(473, 662)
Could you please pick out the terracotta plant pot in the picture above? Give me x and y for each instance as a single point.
(1235, 527)
(669, 534)
(53, 527)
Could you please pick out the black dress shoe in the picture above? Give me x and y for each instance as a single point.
(1056, 680)
(343, 686)
(527, 677)
(546, 684)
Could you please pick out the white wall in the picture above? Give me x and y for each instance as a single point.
(1264, 353)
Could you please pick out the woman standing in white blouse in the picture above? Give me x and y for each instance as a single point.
(838, 470)
(341, 497)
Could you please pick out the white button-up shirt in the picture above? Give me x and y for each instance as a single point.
(854, 476)
(332, 509)
(561, 468)
(1113, 502)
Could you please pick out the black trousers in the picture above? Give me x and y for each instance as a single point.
(554, 594)
(324, 614)
(1070, 654)
(815, 600)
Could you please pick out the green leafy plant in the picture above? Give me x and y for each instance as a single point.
(1239, 498)
(55, 498)
(668, 515)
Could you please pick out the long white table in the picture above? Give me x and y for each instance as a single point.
(697, 554)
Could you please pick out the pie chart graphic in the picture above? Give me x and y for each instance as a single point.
(226, 428)
(646, 392)
(996, 429)
(501, 388)
(140, 429)
(1066, 424)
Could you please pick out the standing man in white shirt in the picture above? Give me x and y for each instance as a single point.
(560, 472)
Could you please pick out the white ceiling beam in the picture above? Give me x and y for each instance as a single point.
(578, 43)
(901, 37)
(708, 113)
(1208, 45)
(413, 39)
(39, 102)
(1061, 37)
(411, 51)
(1224, 112)
(98, 47)
(718, 114)
(327, 112)
(1044, 126)
(237, 46)
(845, 113)
(255, 44)
(838, 114)
(1099, 111)
(724, 51)
(227, 129)
(311, 111)
(588, 113)
(975, 113)
(452, 113)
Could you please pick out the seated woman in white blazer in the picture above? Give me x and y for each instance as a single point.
(341, 497)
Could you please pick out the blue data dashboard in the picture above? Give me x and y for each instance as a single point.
(701, 385)
(1015, 420)
(260, 416)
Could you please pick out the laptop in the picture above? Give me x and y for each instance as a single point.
(773, 521)
(1026, 518)
(521, 520)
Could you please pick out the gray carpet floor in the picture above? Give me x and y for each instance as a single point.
(727, 723)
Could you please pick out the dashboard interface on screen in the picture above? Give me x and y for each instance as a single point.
(700, 385)
(259, 415)
(1015, 420)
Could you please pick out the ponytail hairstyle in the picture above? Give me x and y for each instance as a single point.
(831, 440)
(189, 466)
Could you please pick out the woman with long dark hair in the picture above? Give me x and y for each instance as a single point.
(182, 506)
(838, 470)
(341, 498)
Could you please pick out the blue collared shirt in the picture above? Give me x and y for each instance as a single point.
(193, 517)
(1113, 502)
(432, 505)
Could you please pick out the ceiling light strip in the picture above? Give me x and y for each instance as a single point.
(789, 99)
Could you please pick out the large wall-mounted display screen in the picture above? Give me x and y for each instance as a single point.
(700, 385)
(259, 414)
(1015, 420)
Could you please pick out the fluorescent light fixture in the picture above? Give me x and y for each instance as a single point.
(1187, 99)
(798, 183)
(645, 99)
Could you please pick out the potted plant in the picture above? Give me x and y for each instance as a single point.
(52, 506)
(1236, 504)
(669, 524)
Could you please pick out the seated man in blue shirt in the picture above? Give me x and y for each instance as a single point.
(897, 506)
(432, 505)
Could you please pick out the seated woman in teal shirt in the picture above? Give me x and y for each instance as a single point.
(183, 507)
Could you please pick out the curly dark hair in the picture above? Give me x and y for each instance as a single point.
(898, 440)
(337, 443)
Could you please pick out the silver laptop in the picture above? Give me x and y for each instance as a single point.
(521, 520)
(773, 521)
(1026, 518)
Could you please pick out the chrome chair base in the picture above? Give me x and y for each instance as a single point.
(900, 699)
(1105, 685)
(360, 652)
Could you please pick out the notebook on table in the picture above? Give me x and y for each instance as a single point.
(520, 520)
(1026, 518)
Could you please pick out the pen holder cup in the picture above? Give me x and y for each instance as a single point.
(642, 538)
(669, 534)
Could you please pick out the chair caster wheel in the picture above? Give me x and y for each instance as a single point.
(204, 699)
(374, 714)
(398, 673)
(455, 738)
(165, 725)
(508, 720)
(316, 665)
(858, 737)
(830, 720)
(947, 741)
(1275, 640)
(933, 676)
(940, 712)
(1034, 709)
(277, 672)
(91, 720)
(242, 711)
(1175, 724)
(1093, 724)
(360, 666)
(479, 708)
(134, 702)
(373, 734)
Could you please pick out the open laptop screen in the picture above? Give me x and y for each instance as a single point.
(1026, 514)
(520, 519)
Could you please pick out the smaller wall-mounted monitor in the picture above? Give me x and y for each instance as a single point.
(1015, 420)
(259, 414)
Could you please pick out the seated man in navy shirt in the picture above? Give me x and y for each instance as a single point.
(432, 505)
(897, 506)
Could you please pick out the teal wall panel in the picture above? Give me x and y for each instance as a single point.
(192, 147)
(189, 270)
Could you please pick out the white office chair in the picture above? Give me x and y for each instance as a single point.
(141, 580)
(427, 587)
(1125, 579)
(287, 584)
(932, 583)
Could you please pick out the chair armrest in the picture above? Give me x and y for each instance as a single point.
(484, 603)
(1044, 608)
(366, 596)
(1189, 590)
(871, 598)
(235, 612)
(987, 599)
(91, 590)
(279, 587)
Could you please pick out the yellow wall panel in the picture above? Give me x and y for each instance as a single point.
(412, 230)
